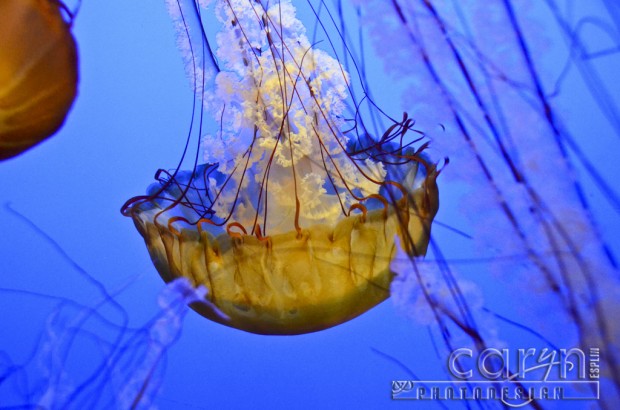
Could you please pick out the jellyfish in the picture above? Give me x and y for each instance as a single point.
(88, 354)
(291, 216)
(539, 207)
(38, 72)
(501, 270)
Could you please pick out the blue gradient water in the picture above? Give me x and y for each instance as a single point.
(130, 119)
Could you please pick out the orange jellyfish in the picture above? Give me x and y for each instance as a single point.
(38, 72)
(291, 218)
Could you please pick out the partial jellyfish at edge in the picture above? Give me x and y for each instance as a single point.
(38, 72)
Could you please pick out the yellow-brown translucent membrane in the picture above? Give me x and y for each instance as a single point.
(296, 282)
(38, 73)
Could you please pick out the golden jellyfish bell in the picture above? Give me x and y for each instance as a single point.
(292, 221)
(292, 282)
(38, 73)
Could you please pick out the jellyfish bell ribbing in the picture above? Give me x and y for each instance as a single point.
(291, 223)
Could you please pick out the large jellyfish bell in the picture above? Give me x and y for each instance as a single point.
(291, 221)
